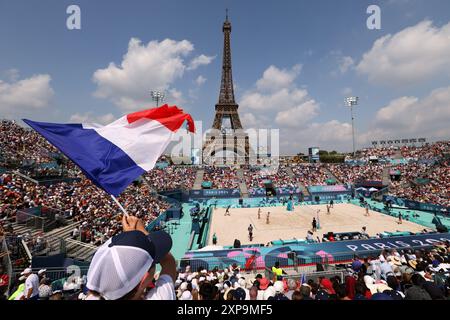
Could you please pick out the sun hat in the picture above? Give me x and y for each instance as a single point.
(378, 287)
(119, 264)
(394, 261)
(412, 264)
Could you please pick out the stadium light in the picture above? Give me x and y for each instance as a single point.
(157, 96)
(350, 102)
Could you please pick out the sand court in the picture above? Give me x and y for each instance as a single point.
(287, 225)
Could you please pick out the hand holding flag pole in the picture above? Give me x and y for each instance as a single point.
(120, 206)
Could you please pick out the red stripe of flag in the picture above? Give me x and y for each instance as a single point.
(171, 117)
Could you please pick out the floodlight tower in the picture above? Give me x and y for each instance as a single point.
(158, 96)
(350, 102)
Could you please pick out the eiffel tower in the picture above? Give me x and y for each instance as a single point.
(227, 134)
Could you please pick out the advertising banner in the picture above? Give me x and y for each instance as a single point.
(415, 205)
(214, 193)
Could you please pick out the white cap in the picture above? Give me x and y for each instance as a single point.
(186, 295)
(119, 264)
(26, 271)
(278, 286)
(201, 279)
(41, 271)
(269, 292)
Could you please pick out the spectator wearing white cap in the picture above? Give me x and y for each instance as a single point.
(31, 285)
(124, 266)
(187, 295)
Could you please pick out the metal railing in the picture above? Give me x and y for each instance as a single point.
(58, 273)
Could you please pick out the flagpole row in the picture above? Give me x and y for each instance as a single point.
(120, 206)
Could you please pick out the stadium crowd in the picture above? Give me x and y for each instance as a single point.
(393, 275)
(310, 174)
(80, 202)
(436, 190)
(18, 144)
(221, 177)
(171, 177)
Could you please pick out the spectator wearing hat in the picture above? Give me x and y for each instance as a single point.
(326, 290)
(124, 266)
(42, 274)
(31, 285)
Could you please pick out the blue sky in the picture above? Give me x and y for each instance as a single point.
(293, 64)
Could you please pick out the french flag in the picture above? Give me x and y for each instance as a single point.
(113, 156)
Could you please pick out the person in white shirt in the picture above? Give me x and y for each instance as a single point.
(31, 285)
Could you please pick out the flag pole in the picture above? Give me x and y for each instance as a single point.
(120, 206)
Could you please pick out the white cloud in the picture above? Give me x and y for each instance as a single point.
(88, 117)
(276, 90)
(275, 79)
(277, 101)
(25, 95)
(200, 80)
(155, 66)
(329, 135)
(412, 55)
(411, 116)
(201, 60)
(297, 115)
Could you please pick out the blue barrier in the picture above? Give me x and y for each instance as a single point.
(415, 205)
